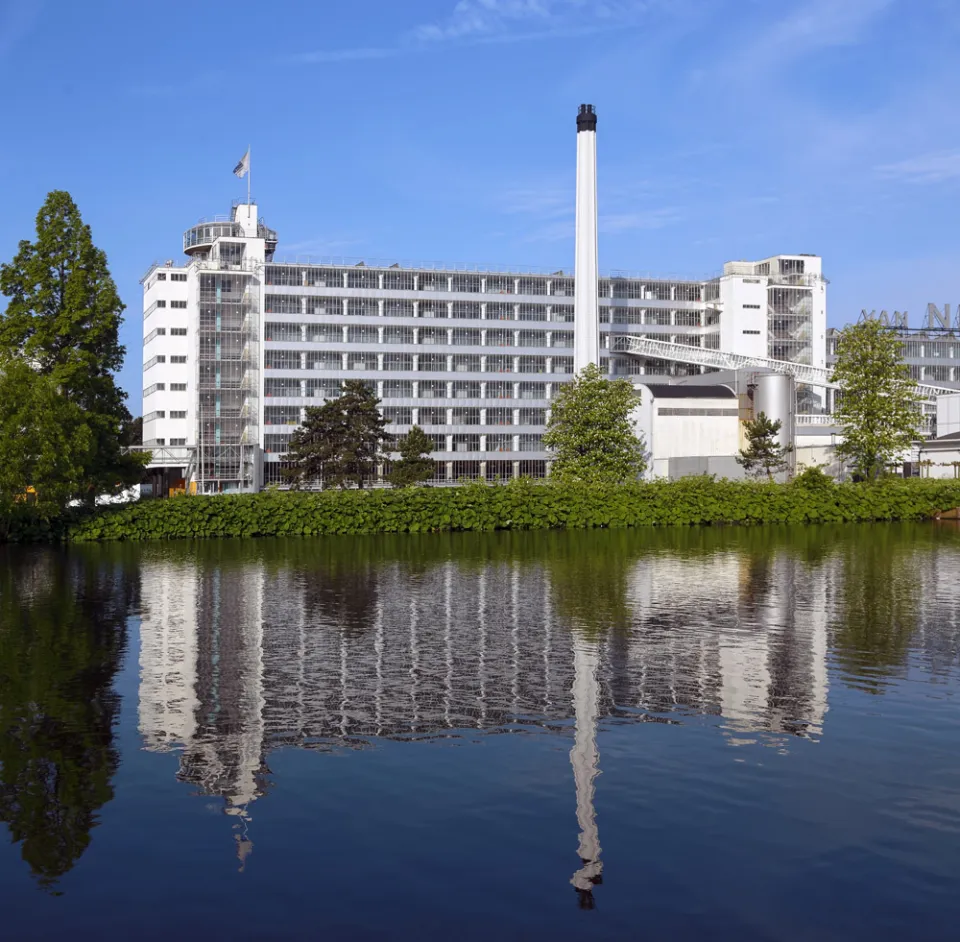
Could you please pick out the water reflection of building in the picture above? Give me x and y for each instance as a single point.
(237, 659)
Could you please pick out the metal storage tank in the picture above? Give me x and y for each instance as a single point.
(776, 396)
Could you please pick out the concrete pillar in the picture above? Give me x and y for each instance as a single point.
(586, 301)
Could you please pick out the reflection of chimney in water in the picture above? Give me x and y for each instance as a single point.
(585, 761)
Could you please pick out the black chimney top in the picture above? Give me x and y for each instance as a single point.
(586, 119)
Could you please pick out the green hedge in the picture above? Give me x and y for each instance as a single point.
(519, 505)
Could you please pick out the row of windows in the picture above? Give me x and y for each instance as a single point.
(688, 412)
(174, 276)
(160, 387)
(405, 389)
(446, 472)
(162, 332)
(153, 361)
(407, 362)
(470, 310)
(278, 444)
(161, 442)
(425, 416)
(161, 414)
(360, 276)
(450, 336)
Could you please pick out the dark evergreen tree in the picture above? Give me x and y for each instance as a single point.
(415, 464)
(763, 454)
(340, 442)
(62, 319)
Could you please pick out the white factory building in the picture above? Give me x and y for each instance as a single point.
(238, 343)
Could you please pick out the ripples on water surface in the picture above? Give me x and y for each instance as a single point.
(627, 735)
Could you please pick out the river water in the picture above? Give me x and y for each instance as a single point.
(723, 734)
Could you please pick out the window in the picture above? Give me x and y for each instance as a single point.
(152, 362)
(178, 441)
(754, 332)
(178, 359)
(500, 338)
(398, 389)
(499, 390)
(283, 332)
(465, 310)
(159, 332)
(156, 441)
(533, 391)
(363, 335)
(160, 303)
(499, 443)
(178, 276)
(751, 307)
(432, 361)
(180, 414)
(433, 389)
(669, 411)
(398, 361)
(464, 337)
(533, 338)
(466, 390)
(324, 361)
(361, 361)
(178, 387)
(153, 416)
(324, 333)
(466, 443)
(498, 416)
(400, 415)
(398, 335)
(531, 442)
(182, 305)
(562, 365)
(466, 363)
(535, 364)
(161, 276)
(178, 331)
(433, 416)
(751, 281)
(465, 416)
(533, 416)
(499, 364)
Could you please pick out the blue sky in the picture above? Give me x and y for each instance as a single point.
(444, 130)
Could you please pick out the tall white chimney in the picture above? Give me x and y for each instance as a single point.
(586, 326)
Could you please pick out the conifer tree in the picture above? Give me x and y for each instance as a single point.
(763, 454)
(415, 464)
(62, 319)
(340, 442)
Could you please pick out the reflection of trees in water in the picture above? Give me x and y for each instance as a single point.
(62, 634)
(880, 602)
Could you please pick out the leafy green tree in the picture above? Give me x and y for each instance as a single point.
(45, 442)
(63, 318)
(341, 442)
(415, 464)
(878, 406)
(764, 454)
(591, 433)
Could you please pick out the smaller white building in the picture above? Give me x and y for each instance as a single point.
(689, 429)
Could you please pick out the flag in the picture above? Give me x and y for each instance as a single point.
(241, 168)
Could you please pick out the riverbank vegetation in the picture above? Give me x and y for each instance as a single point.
(516, 505)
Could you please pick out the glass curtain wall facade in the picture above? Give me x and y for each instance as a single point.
(475, 359)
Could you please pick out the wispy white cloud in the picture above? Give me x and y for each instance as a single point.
(927, 168)
(808, 27)
(498, 21)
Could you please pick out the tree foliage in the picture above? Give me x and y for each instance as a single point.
(45, 441)
(764, 454)
(415, 464)
(878, 406)
(62, 320)
(341, 442)
(591, 432)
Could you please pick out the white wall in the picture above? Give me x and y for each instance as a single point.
(743, 321)
(948, 415)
